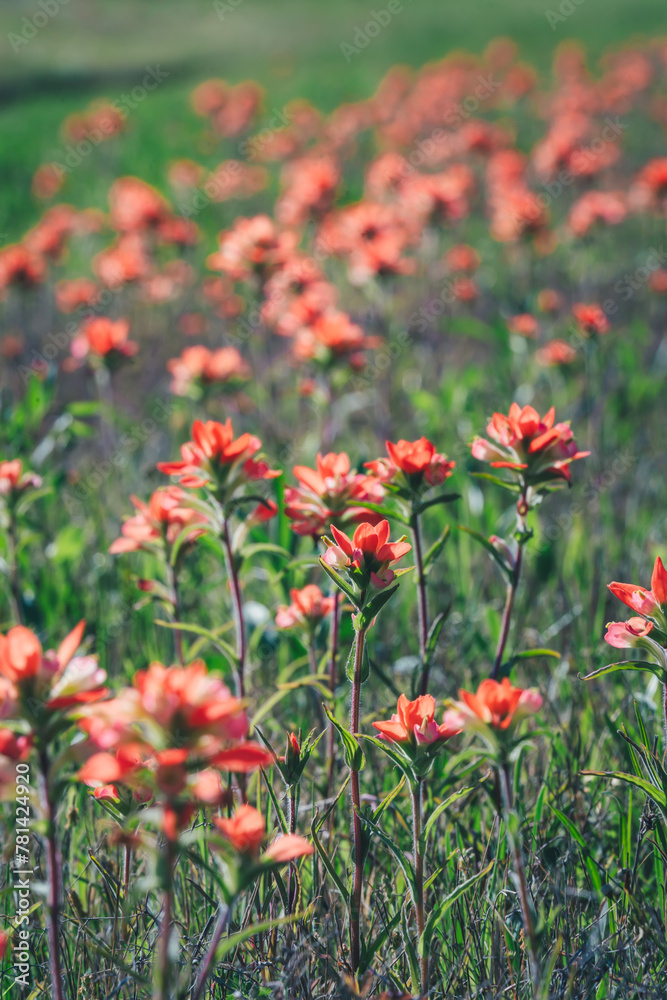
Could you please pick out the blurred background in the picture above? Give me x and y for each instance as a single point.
(58, 55)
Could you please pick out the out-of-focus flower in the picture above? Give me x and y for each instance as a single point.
(215, 458)
(21, 267)
(549, 300)
(523, 324)
(415, 464)
(596, 206)
(332, 337)
(104, 338)
(252, 246)
(309, 606)
(329, 492)
(462, 257)
(58, 678)
(367, 556)
(47, 180)
(555, 352)
(658, 281)
(136, 205)
(246, 831)
(309, 186)
(14, 480)
(71, 295)
(371, 237)
(163, 518)
(591, 319)
(496, 704)
(125, 260)
(199, 363)
(529, 444)
(649, 190)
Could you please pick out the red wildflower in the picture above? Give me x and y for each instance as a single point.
(529, 444)
(590, 319)
(214, 455)
(309, 606)
(328, 493)
(163, 517)
(104, 338)
(414, 722)
(368, 554)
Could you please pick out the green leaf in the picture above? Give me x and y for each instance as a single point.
(437, 547)
(441, 498)
(435, 629)
(392, 846)
(506, 485)
(612, 668)
(385, 511)
(341, 583)
(438, 811)
(656, 794)
(527, 654)
(223, 646)
(256, 549)
(354, 755)
(365, 617)
(495, 555)
(387, 800)
(579, 838)
(444, 905)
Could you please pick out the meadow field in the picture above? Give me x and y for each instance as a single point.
(333, 613)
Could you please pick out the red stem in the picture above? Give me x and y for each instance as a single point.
(507, 613)
(207, 963)
(335, 617)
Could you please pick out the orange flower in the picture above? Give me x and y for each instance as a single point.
(215, 455)
(418, 460)
(104, 337)
(20, 266)
(308, 607)
(367, 556)
(590, 318)
(163, 517)
(523, 324)
(61, 678)
(497, 704)
(650, 603)
(529, 444)
(13, 479)
(555, 352)
(329, 492)
(246, 831)
(224, 365)
(414, 723)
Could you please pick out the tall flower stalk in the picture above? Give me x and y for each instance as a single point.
(361, 568)
(412, 739)
(494, 713)
(410, 471)
(537, 453)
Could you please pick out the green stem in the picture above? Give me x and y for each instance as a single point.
(335, 616)
(517, 854)
(237, 605)
(419, 878)
(422, 603)
(355, 900)
(164, 965)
